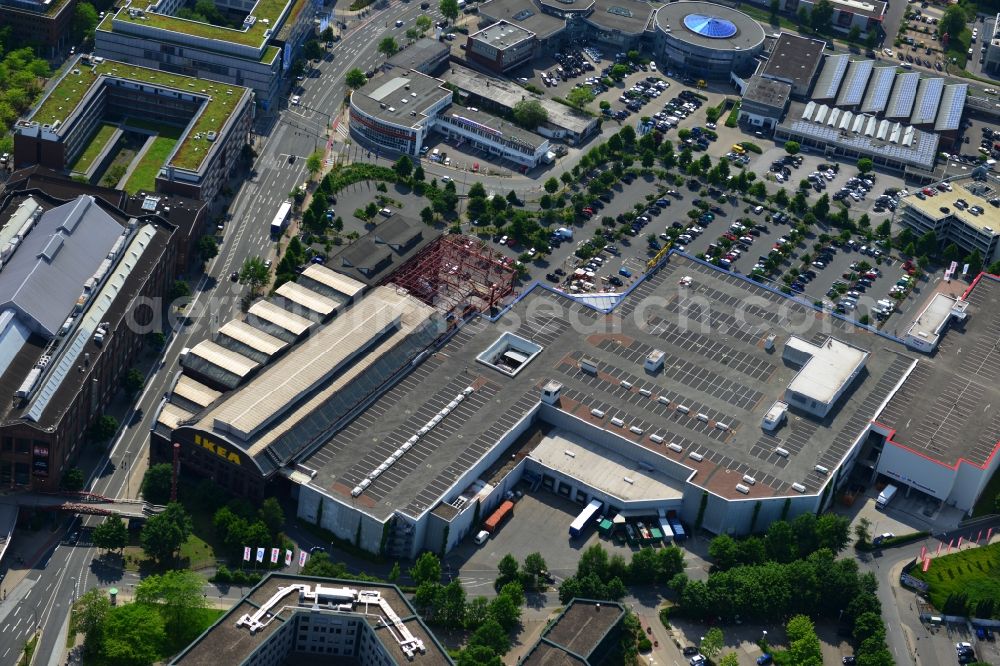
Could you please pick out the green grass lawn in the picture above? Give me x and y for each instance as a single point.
(163, 129)
(201, 619)
(97, 143)
(975, 572)
(144, 175)
(764, 16)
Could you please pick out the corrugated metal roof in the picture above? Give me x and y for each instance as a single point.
(195, 391)
(303, 368)
(252, 337)
(171, 415)
(307, 298)
(277, 315)
(218, 355)
(13, 336)
(45, 276)
(341, 283)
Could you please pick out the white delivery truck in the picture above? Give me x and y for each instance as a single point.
(885, 497)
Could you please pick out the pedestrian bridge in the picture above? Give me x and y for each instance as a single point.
(82, 502)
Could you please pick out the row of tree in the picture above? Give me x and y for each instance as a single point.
(783, 542)
(603, 576)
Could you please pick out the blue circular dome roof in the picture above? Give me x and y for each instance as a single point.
(709, 26)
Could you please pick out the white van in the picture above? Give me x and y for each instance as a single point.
(482, 537)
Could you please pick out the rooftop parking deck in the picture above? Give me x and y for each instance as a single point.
(944, 410)
(717, 383)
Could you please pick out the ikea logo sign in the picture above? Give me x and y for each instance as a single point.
(220, 451)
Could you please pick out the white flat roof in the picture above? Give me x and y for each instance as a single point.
(601, 468)
(829, 367)
(929, 323)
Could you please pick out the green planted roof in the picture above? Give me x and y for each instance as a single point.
(212, 116)
(269, 10)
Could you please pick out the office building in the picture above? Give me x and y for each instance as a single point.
(501, 46)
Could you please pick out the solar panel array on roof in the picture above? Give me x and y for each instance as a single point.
(949, 115)
(857, 78)
(878, 89)
(927, 100)
(920, 151)
(903, 95)
(834, 68)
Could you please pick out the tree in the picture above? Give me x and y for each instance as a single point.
(156, 483)
(328, 34)
(821, 15)
(712, 643)
(449, 9)
(731, 659)
(513, 199)
(529, 113)
(208, 249)
(427, 569)
(394, 573)
(854, 34)
(112, 534)
(865, 165)
(551, 185)
(254, 273)
(73, 479)
(951, 253)
(506, 606)
(534, 564)
(580, 97)
(427, 215)
(508, 571)
(775, 7)
(779, 542)
(311, 50)
(867, 625)
(423, 23)
(314, 163)
(91, 611)
(832, 531)
(272, 515)
(477, 655)
(403, 166)
(792, 147)
(164, 533)
(320, 564)
(179, 289)
(388, 47)
(619, 72)
(178, 595)
(975, 261)
(863, 531)
(355, 78)
(491, 635)
(952, 22)
(103, 428)
(803, 644)
(724, 551)
(131, 634)
(84, 21)
(133, 382)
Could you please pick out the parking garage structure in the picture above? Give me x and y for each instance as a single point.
(703, 39)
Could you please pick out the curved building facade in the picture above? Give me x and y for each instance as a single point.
(706, 40)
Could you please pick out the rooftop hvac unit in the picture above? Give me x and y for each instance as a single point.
(658, 439)
(743, 489)
(635, 430)
(781, 452)
(702, 417)
(570, 453)
(798, 487)
(629, 480)
(617, 422)
(683, 409)
(821, 469)
(696, 456)
(598, 413)
(674, 446)
(749, 480)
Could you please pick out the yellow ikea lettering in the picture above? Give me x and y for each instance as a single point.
(220, 451)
